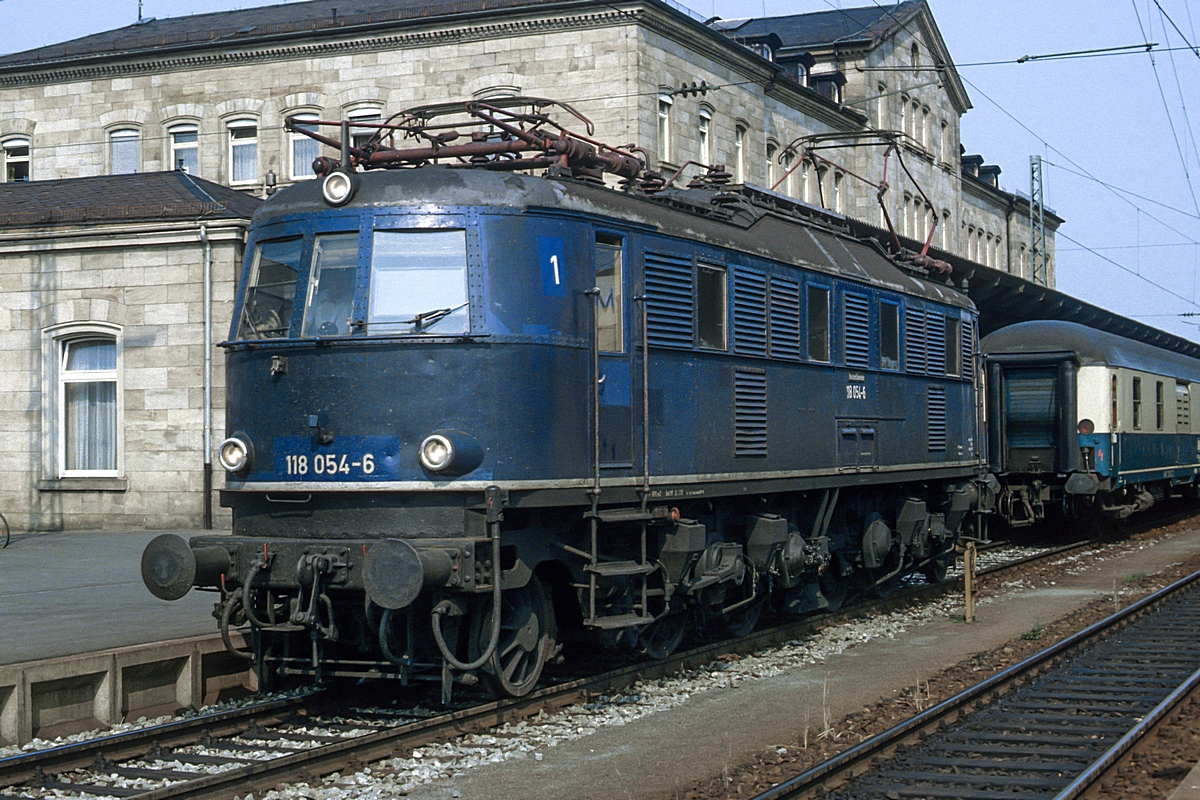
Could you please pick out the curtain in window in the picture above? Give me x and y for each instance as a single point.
(90, 405)
(125, 158)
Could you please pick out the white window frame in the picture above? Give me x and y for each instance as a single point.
(839, 192)
(946, 231)
(124, 134)
(772, 152)
(176, 148)
(665, 102)
(56, 340)
(364, 114)
(704, 134)
(295, 138)
(6, 157)
(789, 184)
(242, 124)
(739, 153)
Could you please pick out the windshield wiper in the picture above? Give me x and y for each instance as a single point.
(429, 317)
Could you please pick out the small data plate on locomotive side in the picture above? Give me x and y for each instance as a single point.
(346, 458)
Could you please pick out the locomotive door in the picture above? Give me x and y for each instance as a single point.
(614, 360)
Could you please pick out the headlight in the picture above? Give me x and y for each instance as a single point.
(234, 454)
(338, 187)
(1086, 427)
(436, 452)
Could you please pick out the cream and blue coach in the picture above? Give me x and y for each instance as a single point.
(1087, 420)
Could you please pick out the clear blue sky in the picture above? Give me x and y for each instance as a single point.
(1104, 116)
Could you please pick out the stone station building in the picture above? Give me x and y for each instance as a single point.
(103, 291)
(207, 95)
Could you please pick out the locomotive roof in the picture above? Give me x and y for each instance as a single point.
(747, 227)
(1090, 347)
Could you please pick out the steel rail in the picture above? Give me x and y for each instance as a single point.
(855, 759)
(266, 774)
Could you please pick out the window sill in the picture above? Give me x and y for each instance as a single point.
(84, 485)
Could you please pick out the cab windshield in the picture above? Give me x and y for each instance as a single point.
(418, 282)
(271, 290)
(330, 304)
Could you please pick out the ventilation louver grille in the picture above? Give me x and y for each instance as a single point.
(937, 418)
(785, 319)
(914, 340)
(968, 349)
(749, 412)
(935, 337)
(749, 313)
(668, 300)
(858, 331)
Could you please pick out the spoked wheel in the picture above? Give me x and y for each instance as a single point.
(4, 532)
(834, 587)
(939, 564)
(660, 638)
(527, 632)
(741, 622)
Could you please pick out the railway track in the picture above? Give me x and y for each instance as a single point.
(256, 748)
(1048, 727)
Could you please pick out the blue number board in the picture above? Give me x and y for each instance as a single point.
(347, 458)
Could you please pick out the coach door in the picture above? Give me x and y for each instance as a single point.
(614, 393)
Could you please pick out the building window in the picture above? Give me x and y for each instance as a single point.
(925, 132)
(945, 143)
(881, 108)
(789, 184)
(739, 154)
(906, 221)
(823, 185)
(14, 161)
(771, 150)
(839, 194)
(808, 182)
(946, 231)
(818, 323)
(125, 154)
(359, 137)
(185, 148)
(1137, 403)
(664, 127)
(705, 134)
(916, 57)
(711, 307)
(243, 151)
(904, 127)
(304, 150)
(87, 407)
(610, 331)
(915, 121)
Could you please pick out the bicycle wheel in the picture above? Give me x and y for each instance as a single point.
(4, 533)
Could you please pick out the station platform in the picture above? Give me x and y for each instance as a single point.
(65, 593)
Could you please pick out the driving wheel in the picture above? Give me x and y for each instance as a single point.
(527, 634)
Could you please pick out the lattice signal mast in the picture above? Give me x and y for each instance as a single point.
(1037, 223)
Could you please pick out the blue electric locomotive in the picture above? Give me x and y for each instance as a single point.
(1087, 421)
(612, 414)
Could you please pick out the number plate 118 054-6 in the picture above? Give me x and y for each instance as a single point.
(347, 458)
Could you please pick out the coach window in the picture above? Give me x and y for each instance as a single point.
(271, 290)
(303, 149)
(330, 302)
(124, 151)
(185, 152)
(889, 335)
(610, 336)
(1137, 403)
(87, 406)
(1183, 408)
(818, 323)
(418, 282)
(14, 159)
(1159, 408)
(953, 348)
(711, 307)
(243, 151)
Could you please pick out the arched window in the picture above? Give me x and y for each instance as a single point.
(125, 153)
(823, 184)
(243, 151)
(772, 148)
(904, 124)
(14, 160)
(839, 195)
(906, 216)
(360, 136)
(925, 132)
(664, 127)
(881, 108)
(739, 154)
(87, 405)
(916, 58)
(704, 133)
(970, 242)
(303, 149)
(789, 184)
(946, 231)
(185, 148)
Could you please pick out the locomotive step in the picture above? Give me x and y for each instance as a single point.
(618, 621)
(624, 515)
(613, 569)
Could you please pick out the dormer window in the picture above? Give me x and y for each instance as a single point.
(801, 74)
(764, 50)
